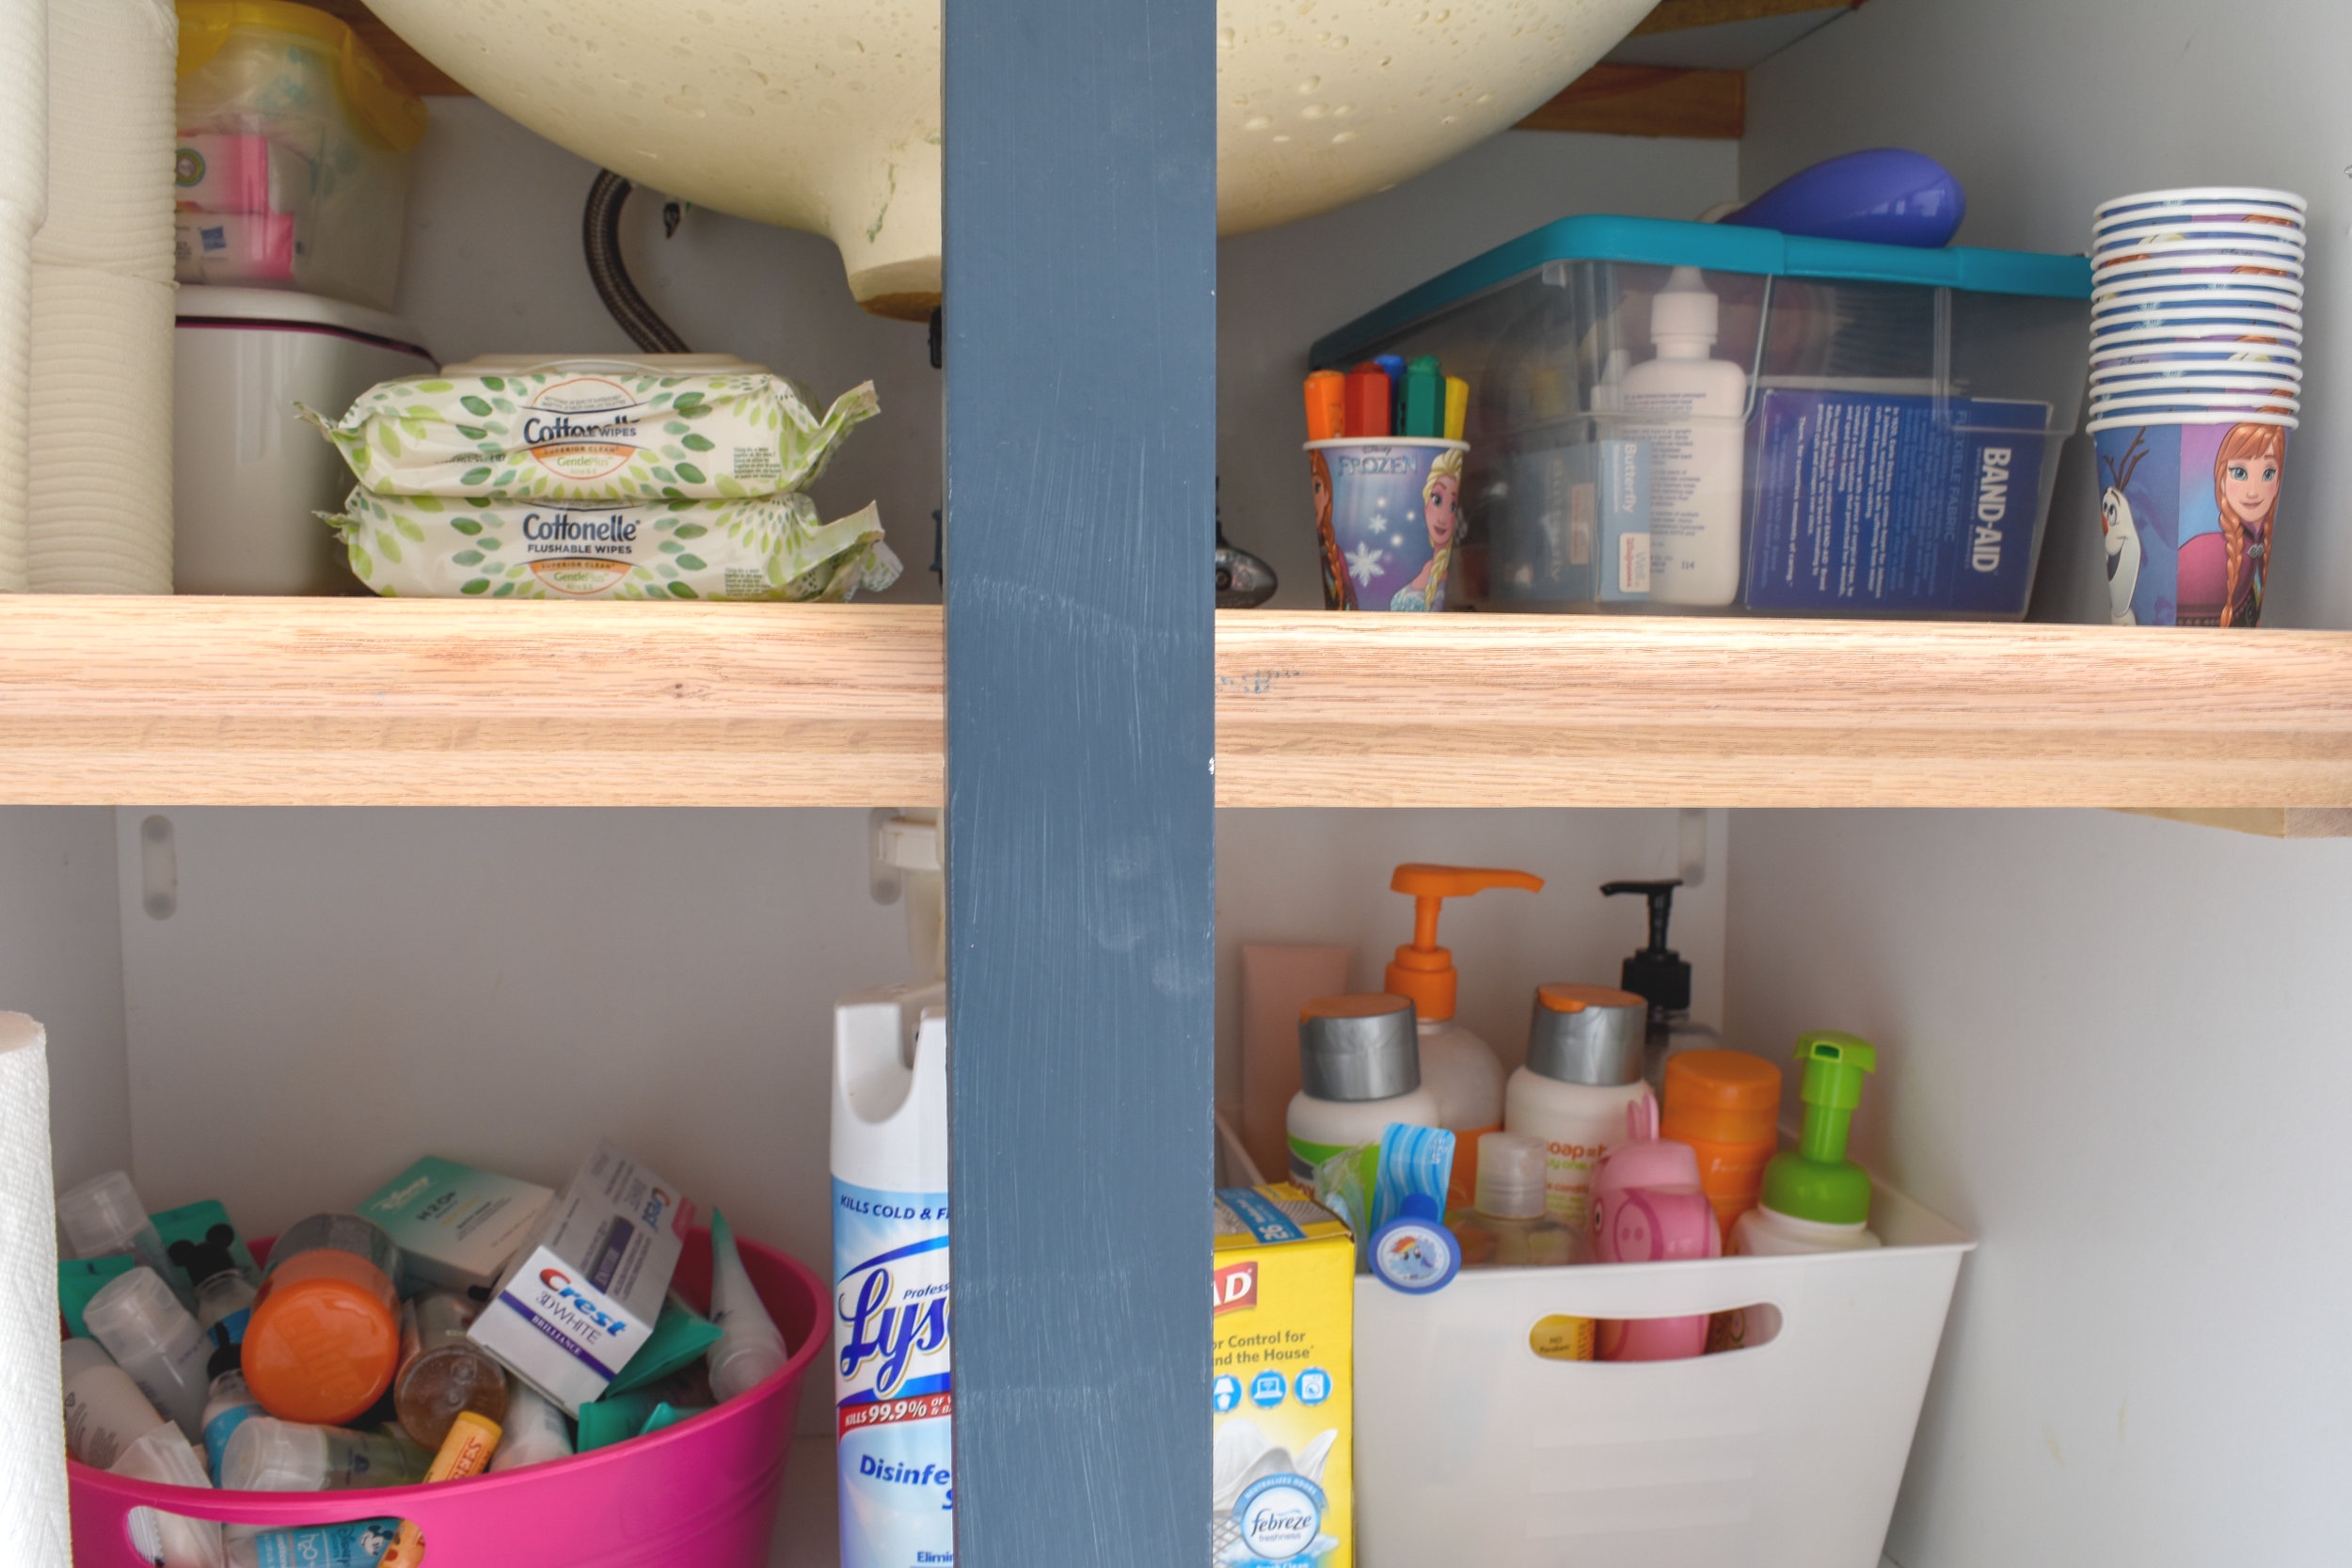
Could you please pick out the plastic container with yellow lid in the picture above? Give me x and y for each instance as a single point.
(292, 164)
(324, 1340)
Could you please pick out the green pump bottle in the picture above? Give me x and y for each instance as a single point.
(1815, 1199)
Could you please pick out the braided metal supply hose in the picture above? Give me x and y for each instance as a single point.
(600, 234)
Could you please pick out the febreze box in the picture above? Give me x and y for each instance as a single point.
(1284, 1332)
(583, 1301)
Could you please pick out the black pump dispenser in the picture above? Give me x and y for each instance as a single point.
(1657, 974)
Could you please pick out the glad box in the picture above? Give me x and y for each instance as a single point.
(567, 1319)
(1282, 1382)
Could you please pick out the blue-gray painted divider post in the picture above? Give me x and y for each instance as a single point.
(1080, 349)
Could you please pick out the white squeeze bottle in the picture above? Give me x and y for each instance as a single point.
(892, 1389)
(1358, 1071)
(1457, 1068)
(1584, 1068)
(1691, 409)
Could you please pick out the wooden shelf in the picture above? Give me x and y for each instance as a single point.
(1525, 710)
(361, 702)
(380, 702)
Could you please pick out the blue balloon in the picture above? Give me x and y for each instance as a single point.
(1884, 196)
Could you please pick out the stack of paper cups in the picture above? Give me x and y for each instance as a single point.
(2196, 380)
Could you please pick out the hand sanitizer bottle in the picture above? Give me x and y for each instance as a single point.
(1690, 409)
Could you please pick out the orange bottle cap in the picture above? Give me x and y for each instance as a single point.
(1722, 1096)
(1562, 997)
(1423, 970)
(324, 1340)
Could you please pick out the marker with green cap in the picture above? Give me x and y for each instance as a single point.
(1815, 1199)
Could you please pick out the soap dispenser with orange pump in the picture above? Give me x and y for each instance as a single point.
(1458, 1068)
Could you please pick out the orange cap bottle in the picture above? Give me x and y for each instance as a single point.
(1726, 1104)
(324, 1340)
(1423, 971)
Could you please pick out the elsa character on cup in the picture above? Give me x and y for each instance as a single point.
(1441, 511)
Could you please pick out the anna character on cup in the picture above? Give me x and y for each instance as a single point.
(2223, 575)
(1441, 514)
(1338, 590)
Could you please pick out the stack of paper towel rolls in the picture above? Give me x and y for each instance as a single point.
(98, 515)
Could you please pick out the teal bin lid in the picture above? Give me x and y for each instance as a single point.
(1714, 247)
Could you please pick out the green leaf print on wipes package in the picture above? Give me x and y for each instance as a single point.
(591, 432)
(771, 548)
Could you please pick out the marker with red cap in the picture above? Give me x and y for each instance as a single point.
(1369, 401)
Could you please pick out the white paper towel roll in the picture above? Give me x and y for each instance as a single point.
(33, 1526)
(97, 514)
(23, 190)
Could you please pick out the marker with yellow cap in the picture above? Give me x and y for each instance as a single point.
(1459, 1069)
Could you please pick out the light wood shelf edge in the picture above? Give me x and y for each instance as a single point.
(360, 702)
(1572, 710)
(366, 701)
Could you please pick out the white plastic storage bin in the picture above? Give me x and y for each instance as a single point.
(1470, 1448)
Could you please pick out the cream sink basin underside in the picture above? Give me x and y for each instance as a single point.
(824, 115)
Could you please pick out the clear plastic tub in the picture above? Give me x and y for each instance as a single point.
(1683, 417)
(292, 170)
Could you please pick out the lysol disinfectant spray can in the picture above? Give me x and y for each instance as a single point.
(894, 1398)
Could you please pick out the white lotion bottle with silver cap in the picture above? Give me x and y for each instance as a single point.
(1358, 1071)
(1690, 408)
(1584, 1068)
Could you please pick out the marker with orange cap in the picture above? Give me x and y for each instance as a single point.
(1584, 1068)
(1327, 406)
(1459, 1069)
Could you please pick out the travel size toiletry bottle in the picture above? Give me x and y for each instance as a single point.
(1691, 409)
(1815, 1199)
(1456, 1066)
(152, 1337)
(1506, 1225)
(1359, 1071)
(1584, 1068)
(1662, 977)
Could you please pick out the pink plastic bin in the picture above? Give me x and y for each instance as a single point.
(701, 1493)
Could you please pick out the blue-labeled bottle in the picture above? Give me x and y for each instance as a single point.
(894, 1395)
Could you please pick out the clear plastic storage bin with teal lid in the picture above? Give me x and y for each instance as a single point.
(1684, 418)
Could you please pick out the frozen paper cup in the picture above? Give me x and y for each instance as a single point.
(2186, 367)
(2218, 404)
(2188, 511)
(2158, 244)
(2253, 196)
(1388, 514)
(2216, 353)
(2169, 309)
(2192, 381)
(2208, 236)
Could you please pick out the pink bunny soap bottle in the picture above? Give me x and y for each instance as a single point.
(1648, 1207)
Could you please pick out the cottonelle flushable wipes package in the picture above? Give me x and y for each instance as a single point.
(591, 432)
(773, 547)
